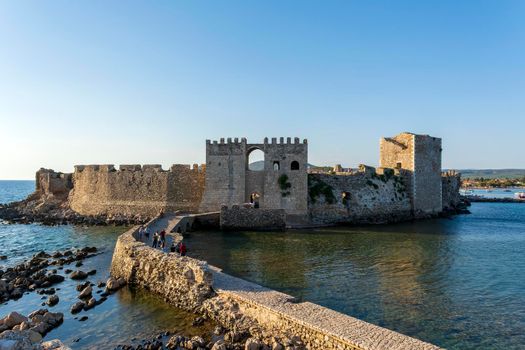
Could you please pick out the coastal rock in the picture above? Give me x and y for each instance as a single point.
(253, 344)
(85, 293)
(33, 336)
(174, 342)
(53, 318)
(81, 286)
(277, 346)
(41, 328)
(77, 307)
(90, 304)
(114, 284)
(219, 345)
(15, 340)
(13, 319)
(3, 286)
(52, 300)
(54, 278)
(78, 275)
(54, 344)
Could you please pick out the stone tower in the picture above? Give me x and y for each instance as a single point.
(281, 184)
(420, 157)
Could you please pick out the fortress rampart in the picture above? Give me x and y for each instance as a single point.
(136, 189)
(367, 196)
(451, 183)
(409, 184)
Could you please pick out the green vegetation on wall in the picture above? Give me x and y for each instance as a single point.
(317, 187)
(284, 185)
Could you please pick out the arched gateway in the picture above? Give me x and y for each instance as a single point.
(232, 178)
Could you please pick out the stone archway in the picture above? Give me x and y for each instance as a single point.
(255, 158)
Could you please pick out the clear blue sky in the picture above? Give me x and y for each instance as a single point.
(88, 82)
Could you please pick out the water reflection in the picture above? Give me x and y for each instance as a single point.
(457, 283)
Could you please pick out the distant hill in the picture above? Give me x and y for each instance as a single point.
(492, 173)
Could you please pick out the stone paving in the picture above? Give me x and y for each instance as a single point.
(325, 328)
(340, 328)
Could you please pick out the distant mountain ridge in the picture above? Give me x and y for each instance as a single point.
(492, 173)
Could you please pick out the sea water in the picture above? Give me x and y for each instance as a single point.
(126, 315)
(458, 283)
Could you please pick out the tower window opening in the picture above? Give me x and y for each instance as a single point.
(255, 160)
(294, 165)
(276, 166)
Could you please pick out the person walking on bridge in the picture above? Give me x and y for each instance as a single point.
(182, 249)
(155, 240)
(162, 243)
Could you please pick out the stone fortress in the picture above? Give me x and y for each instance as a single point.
(408, 184)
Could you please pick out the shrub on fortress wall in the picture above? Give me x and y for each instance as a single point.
(364, 197)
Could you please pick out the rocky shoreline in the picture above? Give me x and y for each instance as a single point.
(49, 210)
(219, 341)
(41, 274)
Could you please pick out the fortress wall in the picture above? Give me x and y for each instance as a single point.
(135, 190)
(451, 183)
(50, 183)
(238, 218)
(370, 197)
(427, 175)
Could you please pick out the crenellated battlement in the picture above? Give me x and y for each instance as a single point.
(243, 140)
(110, 168)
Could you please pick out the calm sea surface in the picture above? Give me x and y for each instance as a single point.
(458, 283)
(125, 315)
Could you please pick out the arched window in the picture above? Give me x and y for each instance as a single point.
(295, 165)
(256, 160)
(276, 166)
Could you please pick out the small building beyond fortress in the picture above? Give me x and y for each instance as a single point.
(408, 184)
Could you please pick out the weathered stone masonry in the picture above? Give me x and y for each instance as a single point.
(135, 189)
(409, 184)
(363, 197)
(193, 285)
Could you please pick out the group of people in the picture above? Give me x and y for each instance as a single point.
(159, 240)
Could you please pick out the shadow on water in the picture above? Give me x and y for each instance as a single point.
(454, 282)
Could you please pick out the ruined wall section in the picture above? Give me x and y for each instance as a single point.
(135, 190)
(420, 155)
(365, 197)
(451, 183)
(50, 183)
